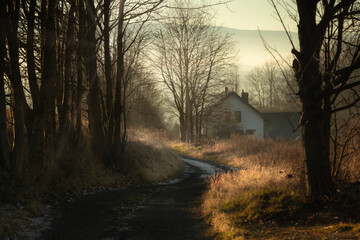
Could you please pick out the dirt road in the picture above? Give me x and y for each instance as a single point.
(164, 211)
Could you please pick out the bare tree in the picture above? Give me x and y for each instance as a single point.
(79, 68)
(4, 142)
(44, 123)
(132, 20)
(95, 115)
(64, 121)
(257, 87)
(108, 73)
(12, 23)
(50, 53)
(192, 55)
(30, 56)
(270, 89)
(344, 143)
(328, 35)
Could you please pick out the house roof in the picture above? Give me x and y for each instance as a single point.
(226, 96)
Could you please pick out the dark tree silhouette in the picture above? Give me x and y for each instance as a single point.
(325, 65)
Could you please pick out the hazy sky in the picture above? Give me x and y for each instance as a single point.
(254, 15)
(251, 15)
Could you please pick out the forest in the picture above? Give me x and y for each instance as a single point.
(79, 79)
(84, 69)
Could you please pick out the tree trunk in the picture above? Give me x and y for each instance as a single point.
(15, 77)
(118, 108)
(4, 141)
(95, 124)
(79, 69)
(108, 76)
(315, 119)
(316, 135)
(30, 58)
(69, 46)
(50, 74)
(183, 128)
(191, 121)
(188, 112)
(197, 125)
(31, 67)
(17, 152)
(45, 116)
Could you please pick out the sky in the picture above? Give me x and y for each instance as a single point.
(255, 15)
(251, 15)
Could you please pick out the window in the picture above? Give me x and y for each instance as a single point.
(238, 116)
(227, 116)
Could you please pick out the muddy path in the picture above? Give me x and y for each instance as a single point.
(164, 211)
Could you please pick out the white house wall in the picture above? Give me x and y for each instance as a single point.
(250, 119)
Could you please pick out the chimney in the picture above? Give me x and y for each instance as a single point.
(226, 90)
(245, 97)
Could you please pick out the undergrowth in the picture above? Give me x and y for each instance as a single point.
(67, 174)
(72, 170)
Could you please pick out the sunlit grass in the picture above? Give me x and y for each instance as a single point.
(234, 200)
(266, 197)
(148, 159)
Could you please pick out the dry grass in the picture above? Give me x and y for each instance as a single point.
(346, 148)
(234, 200)
(265, 198)
(267, 185)
(149, 160)
(250, 153)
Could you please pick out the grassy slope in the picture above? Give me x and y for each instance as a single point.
(149, 160)
(72, 171)
(265, 198)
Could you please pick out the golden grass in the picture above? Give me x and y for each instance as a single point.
(234, 200)
(268, 183)
(250, 153)
(151, 164)
(265, 198)
(148, 158)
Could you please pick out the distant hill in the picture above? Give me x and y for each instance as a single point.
(251, 48)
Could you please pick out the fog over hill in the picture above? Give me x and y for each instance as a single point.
(251, 48)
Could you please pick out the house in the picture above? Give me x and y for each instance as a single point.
(281, 125)
(233, 114)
